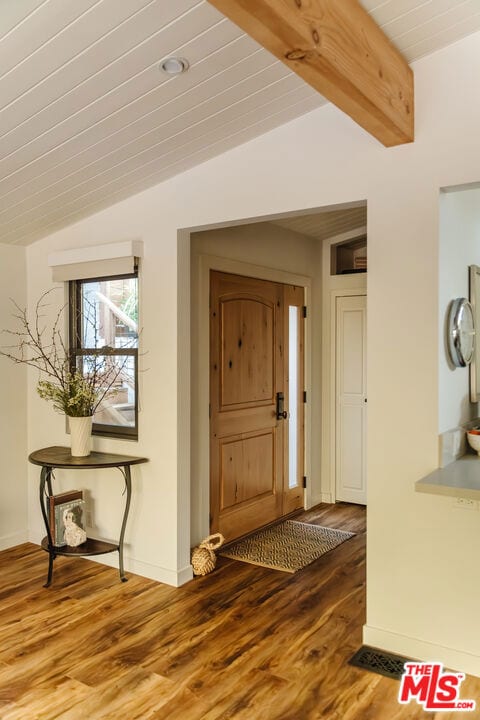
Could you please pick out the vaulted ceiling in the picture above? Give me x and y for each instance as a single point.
(327, 223)
(87, 118)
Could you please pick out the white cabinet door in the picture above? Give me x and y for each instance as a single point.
(351, 399)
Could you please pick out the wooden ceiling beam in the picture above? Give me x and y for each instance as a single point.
(338, 49)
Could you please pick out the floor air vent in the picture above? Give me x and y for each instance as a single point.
(379, 661)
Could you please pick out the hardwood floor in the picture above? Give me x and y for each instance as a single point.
(244, 642)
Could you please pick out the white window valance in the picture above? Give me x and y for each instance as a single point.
(95, 261)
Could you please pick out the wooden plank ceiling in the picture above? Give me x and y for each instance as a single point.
(328, 223)
(87, 118)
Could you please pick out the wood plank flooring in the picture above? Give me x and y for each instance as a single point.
(244, 642)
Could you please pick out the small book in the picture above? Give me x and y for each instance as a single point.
(55, 500)
(69, 524)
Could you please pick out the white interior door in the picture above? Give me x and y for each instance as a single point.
(351, 399)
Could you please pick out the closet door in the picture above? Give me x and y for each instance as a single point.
(351, 399)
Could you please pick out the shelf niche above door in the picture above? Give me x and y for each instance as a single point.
(349, 257)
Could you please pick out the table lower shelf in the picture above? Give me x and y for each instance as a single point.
(90, 547)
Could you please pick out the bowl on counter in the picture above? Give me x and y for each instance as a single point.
(473, 437)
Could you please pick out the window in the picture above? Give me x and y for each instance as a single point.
(103, 315)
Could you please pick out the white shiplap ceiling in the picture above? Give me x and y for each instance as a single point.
(87, 119)
(328, 223)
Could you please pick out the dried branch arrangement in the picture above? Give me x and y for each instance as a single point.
(41, 345)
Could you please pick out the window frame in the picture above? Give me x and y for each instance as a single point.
(76, 350)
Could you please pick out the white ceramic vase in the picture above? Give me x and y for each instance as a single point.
(80, 435)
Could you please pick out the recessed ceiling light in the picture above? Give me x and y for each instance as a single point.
(174, 65)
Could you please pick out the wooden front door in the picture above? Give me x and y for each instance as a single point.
(252, 481)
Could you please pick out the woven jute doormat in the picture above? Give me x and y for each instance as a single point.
(288, 546)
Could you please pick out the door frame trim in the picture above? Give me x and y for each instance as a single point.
(201, 383)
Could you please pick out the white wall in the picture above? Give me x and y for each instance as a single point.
(263, 245)
(148, 551)
(459, 247)
(423, 580)
(13, 417)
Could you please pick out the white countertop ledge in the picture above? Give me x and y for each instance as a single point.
(460, 478)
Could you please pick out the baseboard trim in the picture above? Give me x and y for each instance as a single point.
(18, 538)
(421, 650)
(327, 498)
(322, 498)
(152, 572)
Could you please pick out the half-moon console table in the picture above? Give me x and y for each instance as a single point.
(60, 457)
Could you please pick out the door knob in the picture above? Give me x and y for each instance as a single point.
(281, 413)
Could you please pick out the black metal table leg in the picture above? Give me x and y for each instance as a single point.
(128, 485)
(46, 478)
(51, 558)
